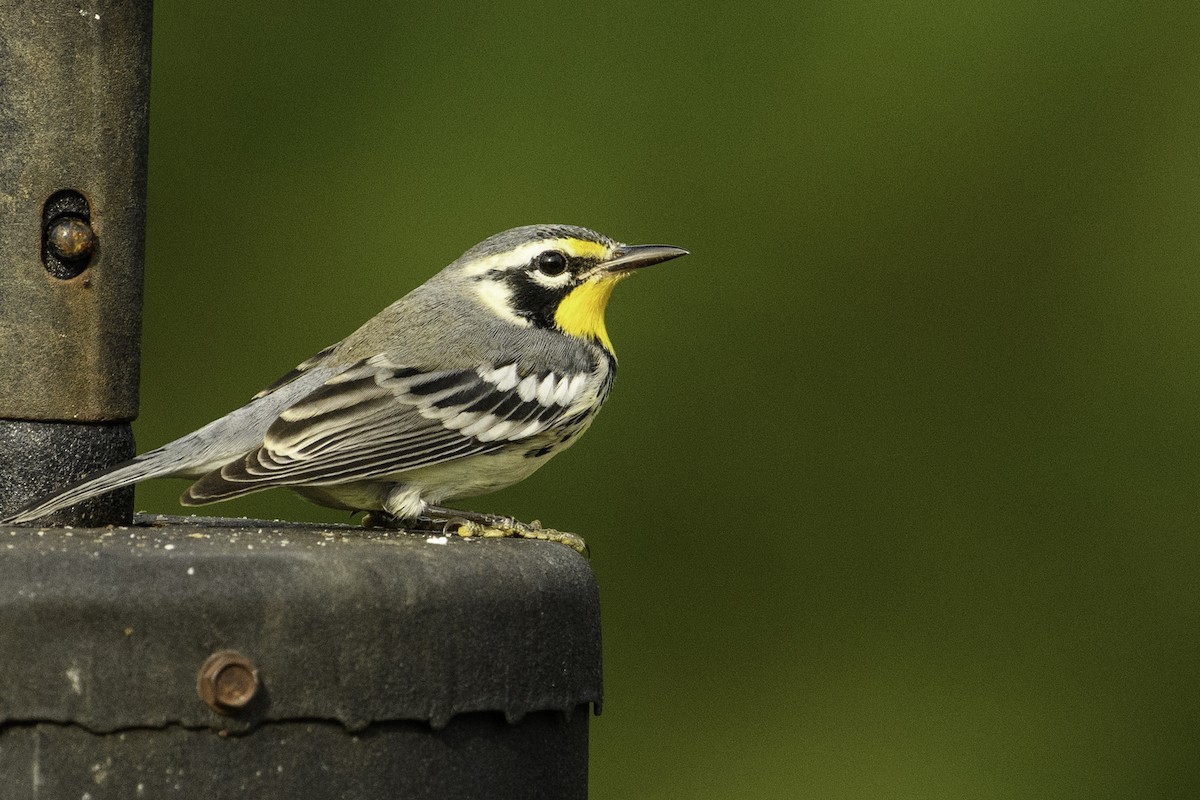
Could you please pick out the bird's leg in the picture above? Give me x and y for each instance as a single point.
(472, 523)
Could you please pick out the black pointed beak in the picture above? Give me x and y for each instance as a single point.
(635, 256)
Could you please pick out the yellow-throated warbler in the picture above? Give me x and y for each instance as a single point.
(463, 386)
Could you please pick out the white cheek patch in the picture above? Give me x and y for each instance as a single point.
(498, 298)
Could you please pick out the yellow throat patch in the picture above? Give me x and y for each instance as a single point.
(581, 312)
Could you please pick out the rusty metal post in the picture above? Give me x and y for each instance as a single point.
(201, 658)
(74, 100)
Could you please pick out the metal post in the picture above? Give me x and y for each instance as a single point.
(74, 100)
(209, 658)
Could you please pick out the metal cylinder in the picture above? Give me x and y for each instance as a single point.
(74, 111)
(208, 658)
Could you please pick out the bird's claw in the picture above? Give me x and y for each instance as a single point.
(484, 527)
(509, 528)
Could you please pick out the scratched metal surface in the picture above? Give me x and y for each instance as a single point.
(73, 117)
(105, 629)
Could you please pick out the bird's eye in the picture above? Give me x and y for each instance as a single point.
(551, 262)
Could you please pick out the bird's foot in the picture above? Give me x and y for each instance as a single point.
(513, 529)
(469, 524)
(381, 519)
(491, 526)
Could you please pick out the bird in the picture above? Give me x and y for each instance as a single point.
(466, 385)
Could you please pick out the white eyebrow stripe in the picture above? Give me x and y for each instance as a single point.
(521, 256)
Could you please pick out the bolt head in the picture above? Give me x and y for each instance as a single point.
(227, 681)
(71, 238)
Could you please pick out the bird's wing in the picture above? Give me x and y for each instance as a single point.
(378, 418)
(302, 368)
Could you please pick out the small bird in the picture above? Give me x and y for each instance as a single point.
(467, 384)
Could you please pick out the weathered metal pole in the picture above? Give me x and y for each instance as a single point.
(365, 665)
(74, 113)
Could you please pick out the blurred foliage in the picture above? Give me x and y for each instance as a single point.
(895, 495)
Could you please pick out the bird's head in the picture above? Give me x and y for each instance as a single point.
(553, 276)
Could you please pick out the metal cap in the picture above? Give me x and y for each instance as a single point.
(107, 628)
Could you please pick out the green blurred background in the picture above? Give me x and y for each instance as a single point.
(895, 494)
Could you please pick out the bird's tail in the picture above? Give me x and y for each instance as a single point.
(191, 456)
(154, 464)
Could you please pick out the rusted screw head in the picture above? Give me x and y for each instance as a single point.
(227, 682)
(70, 238)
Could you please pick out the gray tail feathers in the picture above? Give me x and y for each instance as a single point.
(154, 464)
(218, 442)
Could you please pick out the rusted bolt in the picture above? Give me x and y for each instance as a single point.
(70, 238)
(227, 681)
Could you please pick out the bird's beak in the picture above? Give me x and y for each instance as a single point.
(629, 257)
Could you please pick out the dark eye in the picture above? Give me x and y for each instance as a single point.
(550, 262)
